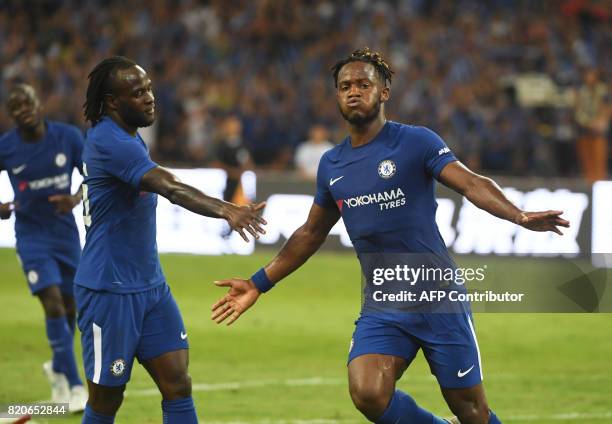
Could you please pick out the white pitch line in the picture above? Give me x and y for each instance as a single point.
(297, 382)
(238, 385)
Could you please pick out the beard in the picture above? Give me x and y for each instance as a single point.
(360, 120)
(135, 118)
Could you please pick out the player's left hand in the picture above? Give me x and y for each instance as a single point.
(64, 203)
(543, 221)
(240, 297)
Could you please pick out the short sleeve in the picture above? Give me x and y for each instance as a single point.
(437, 153)
(323, 196)
(128, 159)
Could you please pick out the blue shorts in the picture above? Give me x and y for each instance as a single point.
(42, 269)
(116, 328)
(448, 341)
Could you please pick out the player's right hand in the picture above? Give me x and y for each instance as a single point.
(6, 210)
(241, 218)
(241, 296)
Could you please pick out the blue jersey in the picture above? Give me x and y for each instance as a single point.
(385, 189)
(38, 170)
(385, 192)
(120, 253)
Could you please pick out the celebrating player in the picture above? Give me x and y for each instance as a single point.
(125, 307)
(40, 156)
(381, 181)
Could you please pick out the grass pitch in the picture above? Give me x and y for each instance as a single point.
(285, 360)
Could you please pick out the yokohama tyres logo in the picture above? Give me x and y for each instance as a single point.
(385, 200)
(59, 182)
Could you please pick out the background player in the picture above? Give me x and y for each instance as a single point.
(380, 157)
(126, 310)
(40, 156)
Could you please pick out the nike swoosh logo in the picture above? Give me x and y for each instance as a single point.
(18, 169)
(183, 335)
(333, 181)
(464, 373)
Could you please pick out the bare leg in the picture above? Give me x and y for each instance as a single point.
(105, 400)
(372, 382)
(469, 405)
(169, 371)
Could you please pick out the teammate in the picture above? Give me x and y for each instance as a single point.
(381, 181)
(125, 307)
(40, 156)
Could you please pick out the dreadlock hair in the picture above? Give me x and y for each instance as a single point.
(100, 85)
(367, 56)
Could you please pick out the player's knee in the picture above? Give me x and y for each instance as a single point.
(370, 400)
(473, 413)
(54, 308)
(105, 401)
(52, 303)
(176, 386)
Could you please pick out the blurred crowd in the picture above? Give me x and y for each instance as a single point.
(511, 85)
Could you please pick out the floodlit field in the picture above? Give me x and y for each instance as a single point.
(284, 361)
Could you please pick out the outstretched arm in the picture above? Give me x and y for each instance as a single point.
(240, 218)
(302, 244)
(487, 195)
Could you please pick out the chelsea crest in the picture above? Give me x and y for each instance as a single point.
(386, 169)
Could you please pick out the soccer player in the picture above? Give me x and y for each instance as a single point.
(381, 181)
(40, 156)
(125, 307)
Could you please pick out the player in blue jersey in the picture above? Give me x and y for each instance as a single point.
(40, 156)
(380, 180)
(125, 307)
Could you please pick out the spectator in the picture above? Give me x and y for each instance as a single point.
(593, 118)
(309, 153)
(232, 156)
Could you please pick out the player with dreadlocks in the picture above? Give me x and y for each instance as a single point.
(380, 180)
(125, 307)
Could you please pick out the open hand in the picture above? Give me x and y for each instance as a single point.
(240, 297)
(241, 218)
(64, 203)
(543, 221)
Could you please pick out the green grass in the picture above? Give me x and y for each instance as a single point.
(535, 365)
